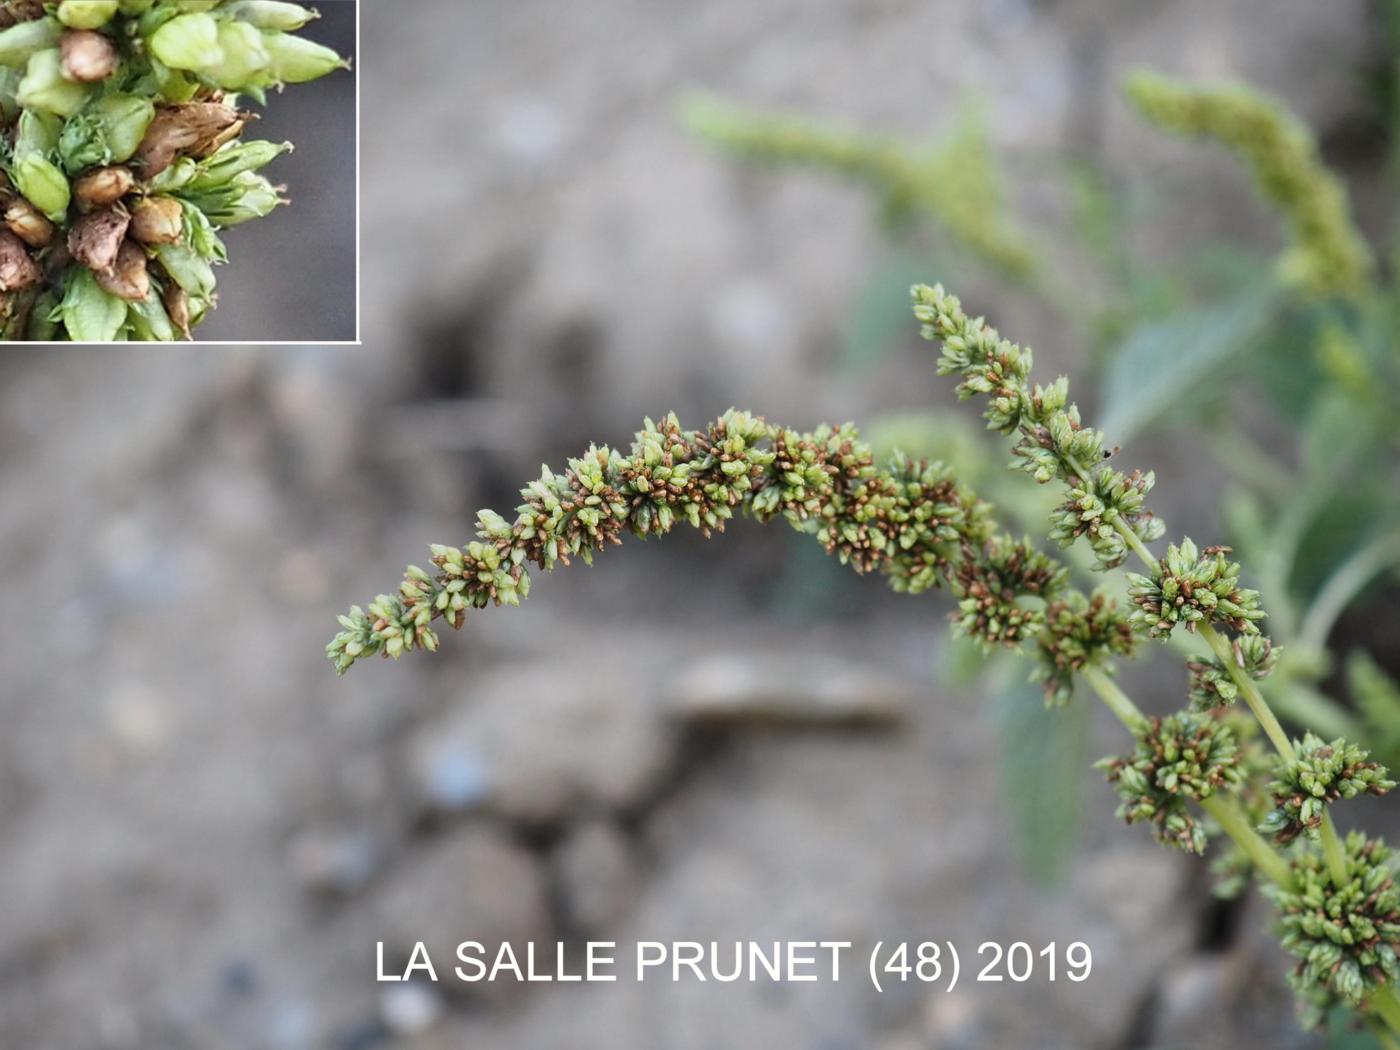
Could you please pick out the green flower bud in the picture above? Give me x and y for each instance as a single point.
(86, 14)
(150, 322)
(272, 14)
(45, 87)
(235, 159)
(188, 42)
(132, 8)
(295, 61)
(176, 177)
(37, 133)
(245, 60)
(90, 314)
(19, 43)
(198, 5)
(124, 119)
(252, 197)
(43, 185)
(192, 273)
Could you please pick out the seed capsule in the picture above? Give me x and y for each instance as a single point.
(189, 41)
(295, 60)
(182, 127)
(96, 237)
(86, 14)
(104, 186)
(43, 185)
(158, 220)
(45, 87)
(229, 163)
(245, 58)
(124, 120)
(177, 307)
(28, 224)
(88, 56)
(128, 278)
(272, 14)
(17, 269)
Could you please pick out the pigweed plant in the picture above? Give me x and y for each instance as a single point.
(1202, 772)
(123, 156)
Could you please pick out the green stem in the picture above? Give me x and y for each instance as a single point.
(1273, 729)
(1333, 852)
(1386, 1005)
(1115, 699)
(1234, 823)
(1225, 810)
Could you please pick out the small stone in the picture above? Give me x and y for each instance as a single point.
(335, 863)
(598, 875)
(801, 689)
(410, 1009)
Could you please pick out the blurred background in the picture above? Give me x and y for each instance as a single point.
(293, 280)
(203, 832)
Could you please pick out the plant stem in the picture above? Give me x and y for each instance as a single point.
(1386, 1005)
(1333, 852)
(1255, 699)
(1225, 810)
(1115, 699)
(1234, 823)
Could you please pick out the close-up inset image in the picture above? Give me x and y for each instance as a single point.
(134, 144)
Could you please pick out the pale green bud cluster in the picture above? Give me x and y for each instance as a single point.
(1079, 632)
(1192, 587)
(1345, 937)
(1329, 256)
(955, 181)
(123, 160)
(1184, 756)
(1319, 774)
(1212, 683)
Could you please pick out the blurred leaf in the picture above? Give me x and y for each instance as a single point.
(1166, 361)
(1042, 774)
(878, 320)
(1377, 698)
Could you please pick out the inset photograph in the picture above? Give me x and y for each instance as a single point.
(178, 171)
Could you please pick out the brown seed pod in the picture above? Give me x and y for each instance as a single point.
(96, 237)
(102, 186)
(17, 269)
(177, 305)
(184, 127)
(129, 279)
(88, 56)
(28, 223)
(158, 220)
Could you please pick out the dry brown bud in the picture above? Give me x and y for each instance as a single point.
(28, 223)
(103, 186)
(17, 269)
(129, 279)
(158, 220)
(177, 305)
(185, 127)
(88, 56)
(96, 237)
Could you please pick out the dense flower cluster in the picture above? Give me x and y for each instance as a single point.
(1319, 774)
(1329, 256)
(1345, 937)
(1079, 632)
(1052, 442)
(1213, 684)
(1192, 587)
(991, 587)
(1184, 756)
(120, 143)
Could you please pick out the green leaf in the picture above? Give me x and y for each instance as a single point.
(90, 314)
(1163, 362)
(1042, 770)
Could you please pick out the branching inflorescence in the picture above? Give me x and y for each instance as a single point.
(122, 157)
(916, 524)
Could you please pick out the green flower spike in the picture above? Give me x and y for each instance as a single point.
(1346, 937)
(1192, 587)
